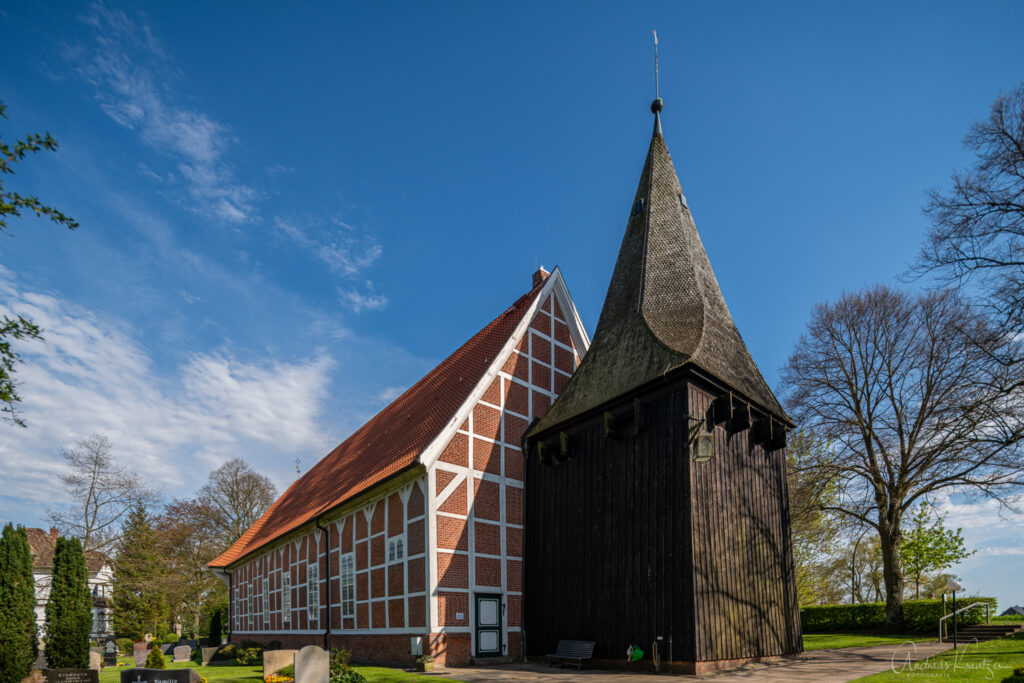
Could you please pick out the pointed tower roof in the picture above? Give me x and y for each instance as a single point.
(663, 309)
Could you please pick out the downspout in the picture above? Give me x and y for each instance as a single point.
(327, 631)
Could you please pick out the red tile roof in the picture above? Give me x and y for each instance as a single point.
(387, 444)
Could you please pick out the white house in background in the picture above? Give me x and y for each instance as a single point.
(101, 577)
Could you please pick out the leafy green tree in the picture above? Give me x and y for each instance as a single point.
(12, 204)
(69, 609)
(139, 595)
(17, 603)
(928, 546)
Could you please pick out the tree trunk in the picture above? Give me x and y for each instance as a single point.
(890, 535)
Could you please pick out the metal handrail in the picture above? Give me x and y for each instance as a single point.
(988, 616)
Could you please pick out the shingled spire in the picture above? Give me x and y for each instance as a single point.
(663, 308)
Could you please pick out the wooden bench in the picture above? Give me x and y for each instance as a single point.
(572, 650)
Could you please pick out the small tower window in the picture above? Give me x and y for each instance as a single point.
(682, 201)
(638, 208)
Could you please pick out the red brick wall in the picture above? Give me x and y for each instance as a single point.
(377, 577)
(450, 649)
(489, 509)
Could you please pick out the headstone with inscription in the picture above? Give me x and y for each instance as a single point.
(159, 676)
(182, 653)
(110, 652)
(312, 665)
(72, 676)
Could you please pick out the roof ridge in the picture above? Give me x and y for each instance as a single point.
(346, 471)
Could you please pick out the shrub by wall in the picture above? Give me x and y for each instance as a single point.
(920, 616)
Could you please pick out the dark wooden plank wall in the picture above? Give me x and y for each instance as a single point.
(607, 536)
(745, 590)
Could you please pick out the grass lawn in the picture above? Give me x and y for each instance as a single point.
(254, 674)
(823, 641)
(989, 661)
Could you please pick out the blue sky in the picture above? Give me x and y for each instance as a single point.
(289, 214)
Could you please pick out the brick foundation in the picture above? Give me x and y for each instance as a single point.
(392, 650)
(515, 645)
(450, 649)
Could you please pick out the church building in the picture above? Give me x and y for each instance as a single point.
(408, 537)
(536, 486)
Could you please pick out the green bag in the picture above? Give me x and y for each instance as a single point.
(634, 654)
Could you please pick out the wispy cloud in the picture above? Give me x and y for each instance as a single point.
(131, 72)
(359, 301)
(92, 374)
(346, 250)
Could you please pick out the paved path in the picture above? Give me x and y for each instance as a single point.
(821, 666)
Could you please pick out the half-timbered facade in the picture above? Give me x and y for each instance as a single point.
(408, 537)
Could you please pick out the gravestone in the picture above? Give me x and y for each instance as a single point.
(140, 645)
(159, 676)
(182, 653)
(72, 676)
(140, 657)
(208, 653)
(95, 659)
(275, 660)
(167, 648)
(312, 665)
(110, 652)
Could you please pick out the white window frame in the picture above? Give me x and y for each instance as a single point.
(238, 608)
(252, 605)
(286, 596)
(266, 604)
(348, 585)
(396, 549)
(313, 591)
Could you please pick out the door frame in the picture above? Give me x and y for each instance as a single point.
(477, 597)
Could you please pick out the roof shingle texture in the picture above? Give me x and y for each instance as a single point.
(388, 443)
(42, 545)
(663, 308)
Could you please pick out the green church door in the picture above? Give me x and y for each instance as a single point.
(488, 625)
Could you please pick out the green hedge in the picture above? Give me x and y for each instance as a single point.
(920, 616)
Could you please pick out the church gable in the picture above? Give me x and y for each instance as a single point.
(477, 477)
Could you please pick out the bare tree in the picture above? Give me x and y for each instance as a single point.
(977, 233)
(908, 391)
(239, 496)
(191, 538)
(102, 494)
